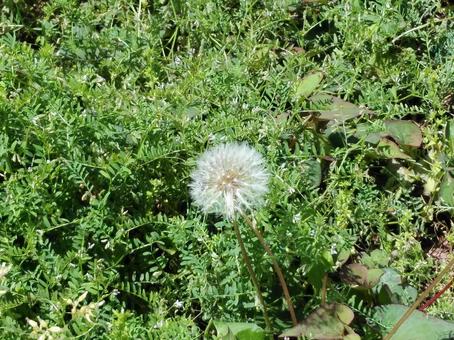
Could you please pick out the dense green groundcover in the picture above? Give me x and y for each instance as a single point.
(106, 104)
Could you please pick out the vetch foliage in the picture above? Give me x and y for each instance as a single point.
(105, 107)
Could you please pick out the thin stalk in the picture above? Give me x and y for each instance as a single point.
(324, 288)
(436, 296)
(418, 28)
(420, 299)
(247, 261)
(277, 269)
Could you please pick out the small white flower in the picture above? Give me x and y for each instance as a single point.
(159, 324)
(178, 304)
(177, 61)
(86, 311)
(296, 218)
(229, 179)
(4, 269)
(32, 323)
(41, 329)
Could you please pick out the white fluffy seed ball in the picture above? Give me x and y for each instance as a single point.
(229, 179)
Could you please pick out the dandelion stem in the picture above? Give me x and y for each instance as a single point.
(324, 288)
(276, 267)
(247, 261)
(421, 297)
(436, 296)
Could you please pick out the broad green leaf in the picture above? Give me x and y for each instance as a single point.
(371, 133)
(235, 330)
(446, 192)
(354, 274)
(377, 258)
(373, 276)
(390, 289)
(388, 149)
(343, 257)
(359, 276)
(405, 132)
(450, 134)
(326, 322)
(418, 326)
(319, 268)
(328, 257)
(344, 314)
(333, 108)
(306, 86)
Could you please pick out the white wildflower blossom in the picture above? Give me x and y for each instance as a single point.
(158, 324)
(296, 218)
(85, 311)
(178, 304)
(42, 331)
(4, 269)
(229, 179)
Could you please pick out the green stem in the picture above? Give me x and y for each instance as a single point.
(324, 288)
(419, 27)
(277, 269)
(420, 299)
(247, 261)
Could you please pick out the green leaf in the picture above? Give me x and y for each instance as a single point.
(306, 86)
(334, 108)
(418, 326)
(373, 276)
(377, 258)
(359, 276)
(450, 134)
(343, 257)
(388, 149)
(319, 269)
(235, 330)
(390, 289)
(326, 322)
(370, 133)
(354, 274)
(344, 314)
(446, 192)
(405, 132)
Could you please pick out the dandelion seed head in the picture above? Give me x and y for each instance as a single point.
(229, 179)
